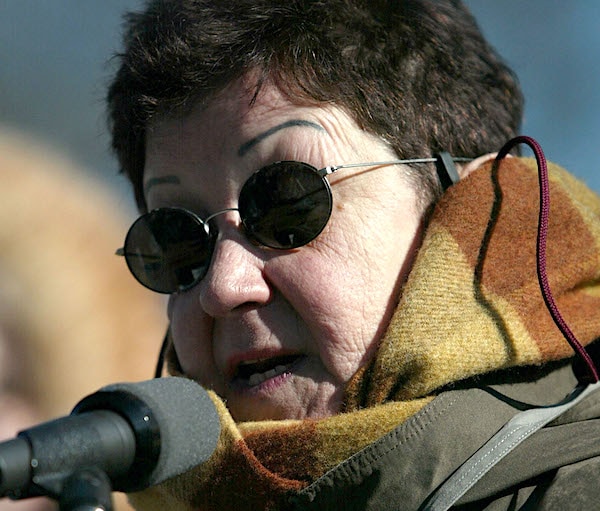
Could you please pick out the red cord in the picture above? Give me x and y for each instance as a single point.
(541, 249)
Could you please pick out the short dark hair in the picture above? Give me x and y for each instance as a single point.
(417, 73)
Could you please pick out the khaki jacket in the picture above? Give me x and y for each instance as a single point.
(557, 468)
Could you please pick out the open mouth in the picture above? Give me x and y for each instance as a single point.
(255, 372)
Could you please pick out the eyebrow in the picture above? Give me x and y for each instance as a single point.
(174, 180)
(246, 146)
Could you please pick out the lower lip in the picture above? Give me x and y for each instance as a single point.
(270, 384)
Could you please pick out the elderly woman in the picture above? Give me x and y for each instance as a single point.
(362, 332)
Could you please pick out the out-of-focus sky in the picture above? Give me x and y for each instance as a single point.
(554, 47)
(55, 62)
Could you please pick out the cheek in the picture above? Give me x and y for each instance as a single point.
(346, 283)
(329, 297)
(190, 330)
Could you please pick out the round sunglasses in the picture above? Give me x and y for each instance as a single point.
(283, 206)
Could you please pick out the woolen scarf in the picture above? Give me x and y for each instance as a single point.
(471, 306)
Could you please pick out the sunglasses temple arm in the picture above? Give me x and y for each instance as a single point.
(444, 157)
(445, 167)
(330, 169)
(158, 370)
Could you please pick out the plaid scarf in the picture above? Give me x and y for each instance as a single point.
(471, 306)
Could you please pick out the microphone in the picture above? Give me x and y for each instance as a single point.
(138, 434)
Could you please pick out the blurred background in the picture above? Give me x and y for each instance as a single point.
(55, 62)
(72, 319)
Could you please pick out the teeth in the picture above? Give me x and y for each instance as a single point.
(250, 362)
(258, 378)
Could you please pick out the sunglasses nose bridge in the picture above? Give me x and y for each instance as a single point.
(223, 211)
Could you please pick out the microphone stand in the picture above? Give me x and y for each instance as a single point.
(86, 489)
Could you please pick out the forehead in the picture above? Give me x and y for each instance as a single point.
(236, 106)
(231, 126)
(239, 120)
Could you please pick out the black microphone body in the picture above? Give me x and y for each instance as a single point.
(139, 434)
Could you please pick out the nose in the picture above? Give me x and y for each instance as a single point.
(235, 277)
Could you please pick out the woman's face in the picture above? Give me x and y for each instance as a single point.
(278, 334)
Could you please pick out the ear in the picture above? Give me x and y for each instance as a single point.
(466, 169)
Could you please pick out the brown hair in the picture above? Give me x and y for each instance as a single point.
(417, 73)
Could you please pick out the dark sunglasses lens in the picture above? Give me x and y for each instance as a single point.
(285, 205)
(168, 249)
